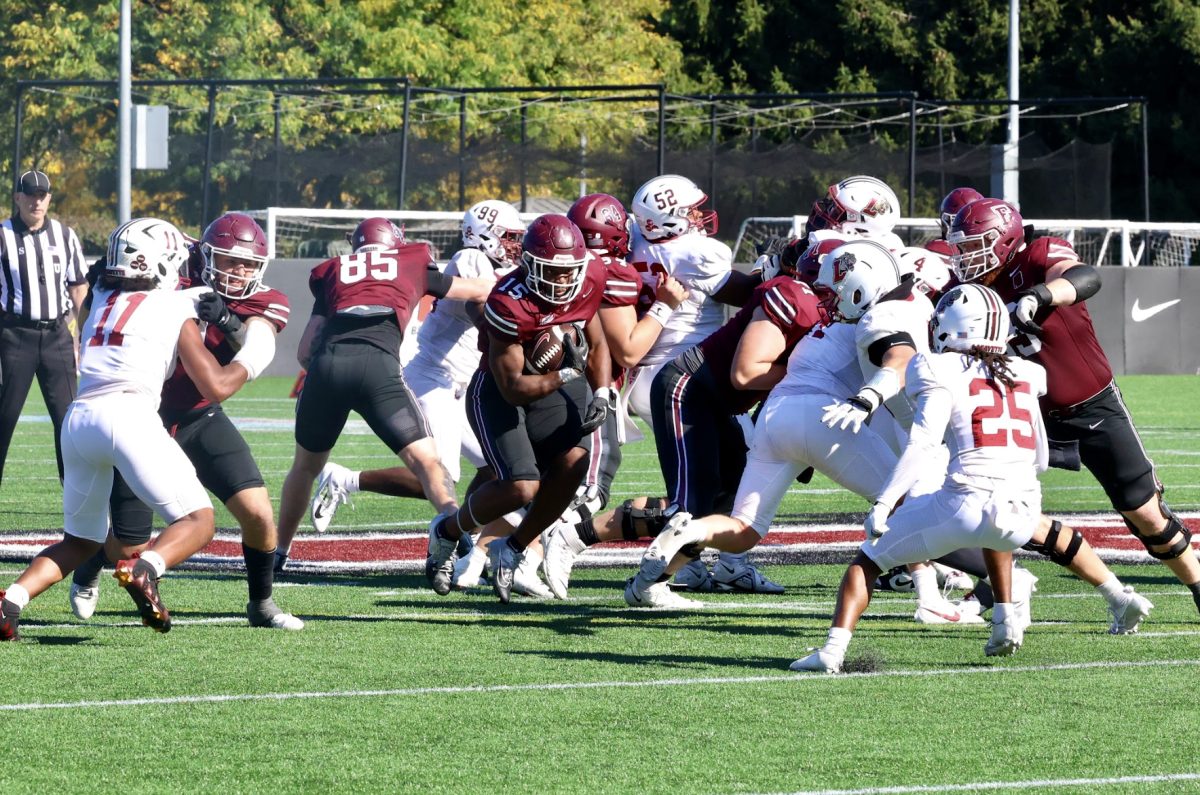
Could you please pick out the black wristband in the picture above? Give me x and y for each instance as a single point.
(1042, 293)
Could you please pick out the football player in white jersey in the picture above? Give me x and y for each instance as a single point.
(114, 422)
(673, 236)
(446, 357)
(858, 206)
(984, 407)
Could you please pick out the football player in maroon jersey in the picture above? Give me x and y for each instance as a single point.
(242, 316)
(535, 427)
(632, 315)
(1045, 287)
(351, 349)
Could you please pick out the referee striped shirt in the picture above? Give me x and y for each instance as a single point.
(37, 266)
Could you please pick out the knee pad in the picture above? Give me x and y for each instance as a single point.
(653, 519)
(1049, 547)
(1175, 534)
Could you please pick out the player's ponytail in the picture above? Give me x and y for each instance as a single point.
(996, 365)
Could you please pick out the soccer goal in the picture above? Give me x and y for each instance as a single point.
(296, 232)
(1115, 242)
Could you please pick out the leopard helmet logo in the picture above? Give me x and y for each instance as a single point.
(876, 207)
(843, 265)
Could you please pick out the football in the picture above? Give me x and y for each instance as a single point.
(544, 354)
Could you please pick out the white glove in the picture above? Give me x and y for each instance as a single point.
(1022, 314)
(876, 524)
(848, 414)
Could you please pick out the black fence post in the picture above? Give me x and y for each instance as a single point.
(400, 191)
(208, 145)
(524, 155)
(912, 154)
(462, 147)
(1146, 179)
(276, 103)
(662, 131)
(18, 132)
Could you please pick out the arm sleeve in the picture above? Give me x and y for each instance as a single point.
(437, 283)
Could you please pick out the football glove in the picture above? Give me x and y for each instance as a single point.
(212, 310)
(876, 524)
(603, 403)
(849, 414)
(575, 355)
(1029, 303)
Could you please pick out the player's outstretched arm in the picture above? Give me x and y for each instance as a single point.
(737, 288)
(756, 362)
(464, 289)
(215, 382)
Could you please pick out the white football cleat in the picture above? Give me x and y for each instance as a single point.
(84, 600)
(526, 581)
(970, 604)
(657, 596)
(695, 576)
(944, 612)
(562, 546)
(331, 492)
(738, 575)
(1006, 638)
(1126, 616)
(820, 661)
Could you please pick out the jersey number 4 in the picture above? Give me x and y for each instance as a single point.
(115, 336)
(376, 264)
(1003, 415)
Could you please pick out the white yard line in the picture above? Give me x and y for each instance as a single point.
(544, 687)
(983, 786)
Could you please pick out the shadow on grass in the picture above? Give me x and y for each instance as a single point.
(682, 661)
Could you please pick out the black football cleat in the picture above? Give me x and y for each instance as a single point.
(137, 577)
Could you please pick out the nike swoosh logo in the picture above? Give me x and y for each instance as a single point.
(952, 617)
(1095, 425)
(1138, 314)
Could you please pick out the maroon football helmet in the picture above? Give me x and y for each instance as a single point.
(555, 258)
(237, 237)
(955, 200)
(603, 221)
(808, 264)
(985, 235)
(376, 234)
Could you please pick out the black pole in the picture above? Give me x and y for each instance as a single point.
(912, 155)
(404, 149)
(524, 154)
(208, 145)
(462, 146)
(1146, 160)
(662, 133)
(712, 155)
(276, 102)
(19, 131)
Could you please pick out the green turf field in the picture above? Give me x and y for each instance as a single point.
(390, 688)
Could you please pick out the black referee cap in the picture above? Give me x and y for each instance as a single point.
(32, 182)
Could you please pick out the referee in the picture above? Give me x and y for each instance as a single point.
(42, 286)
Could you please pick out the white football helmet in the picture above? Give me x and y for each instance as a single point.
(930, 269)
(495, 228)
(147, 247)
(669, 206)
(862, 205)
(970, 316)
(857, 273)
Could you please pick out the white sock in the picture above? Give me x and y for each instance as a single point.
(351, 484)
(1002, 611)
(838, 641)
(734, 560)
(1111, 589)
(925, 584)
(17, 595)
(156, 562)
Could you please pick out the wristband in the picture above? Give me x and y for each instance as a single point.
(660, 311)
(867, 399)
(567, 375)
(608, 394)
